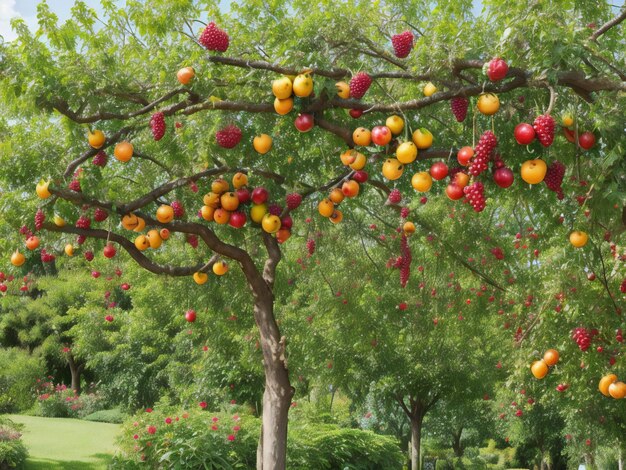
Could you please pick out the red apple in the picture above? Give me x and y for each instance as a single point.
(260, 195)
(356, 113)
(464, 155)
(360, 176)
(591, 276)
(109, 251)
(497, 69)
(125, 286)
(190, 316)
(381, 135)
(3, 288)
(587, 140)
(454, 191)
(439, 170)
(503, 177)
(286, 222)
(243, 194)
(237, 219)
(524, 133)
(304, 122)
(95, 274)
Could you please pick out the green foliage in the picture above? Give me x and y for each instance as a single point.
(19, 372)
(59, 401)
(114, 415)
(13, 452)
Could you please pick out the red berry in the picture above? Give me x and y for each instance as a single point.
(100, 215)
(40, 218)
(402, 44)
(229, 136)
(100, 159)
(404, 212)
(157, 124)
(74, 186)
(179, 210)
(193, 240)
(83, 222)
(544, 128)
(310, 246)
(554, 178)
(89, 255)
(482, 153)
(395, 196)
(474, 193)
(293, 201)
(214, 38)
(359, 85)
(459, 105)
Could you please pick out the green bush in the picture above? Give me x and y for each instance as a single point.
(107, 416)
(58, 401)
(19, 372)
(13, 453)
(200, 439)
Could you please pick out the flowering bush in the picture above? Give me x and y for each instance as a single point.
(59, 401)
(13, 453)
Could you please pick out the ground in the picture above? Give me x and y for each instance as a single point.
(67, 444)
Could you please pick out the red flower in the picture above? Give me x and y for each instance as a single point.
(185, 415)
(231, 437)
(148, 410)
(214, 419)
(236, 428)
(168, 420)
(214, 427)
(136, 436)
(151, 429)
(203, 404)
(233, 402)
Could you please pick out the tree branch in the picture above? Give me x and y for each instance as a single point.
(91, 152)
(608, 25)
(274, 256)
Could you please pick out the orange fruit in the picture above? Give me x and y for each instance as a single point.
(123, 151)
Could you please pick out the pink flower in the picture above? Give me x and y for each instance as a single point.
(136, 436)
(168, 420)
(203, 404)
(214, 419)
(231, 437)
(185, 415)
(214, 427)
(151, 429)
(236, 428)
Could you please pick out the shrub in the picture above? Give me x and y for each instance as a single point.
(107, 416)
(199, 439)
(19, 369)
(58, 401)
(13, 453)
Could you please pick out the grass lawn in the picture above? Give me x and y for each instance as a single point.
(67, 444)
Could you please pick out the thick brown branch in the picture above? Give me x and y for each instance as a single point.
(274, 256)
(608, 25)
(336, 74)
(342, 132)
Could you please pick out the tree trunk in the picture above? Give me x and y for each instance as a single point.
(272, 450)
(75, 370)
(620, 462)
(416, 438)
(456, 443)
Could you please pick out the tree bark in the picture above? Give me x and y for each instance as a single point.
(416, 438)
(76, 371)
(456, 443)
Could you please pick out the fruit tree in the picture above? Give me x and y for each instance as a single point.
(196, 141)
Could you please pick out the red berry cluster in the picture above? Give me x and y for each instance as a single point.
(100, 159)
(459, 105)
(544, 128)
(622, 288)
(74, 186)
(359, 85)
(179, 210)
(405, 266)
(293, 201)
(157, 124)
(214, 38)
(395, 197)
(402, 44)
(192, 240)
(404, 212)
(310, 246)
(582, 338)
(475, 194)
(482, 153)
(554, 178)
(274, 209)
(100, 215)
(229, 136)
(40, 218)
(46, 257)
(24, 230)
(498, 253)
(83, 222)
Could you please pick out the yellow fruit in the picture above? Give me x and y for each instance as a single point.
(392, 169)
(283, 107)
(257, 212)
(605, 381)
(430, 89)
(567, 120)
(303, 85)
(130, 221)
(212, 200)
(96, 139)
(142, 243)
(69, 249)
(220, 268)
(154, 237)
(539, 369)
(59, 221)
(408, 228)
(617, 390)
(422, 138)
(141, 224)
(422, 181)
(123, 151)
(534, 171)
(395, 124)
(359, 161)
(207, 213)
(362, 136)
(240, 180)
(219, 186)
(406, 152)
(17, 258)
(270, 223)
(282, 88)
(348, 157)
(578, 238)
(336, 195)
(488, 104)
(42, 189)
(343, 90)
(326, 207)
(200, 278)
(262, 143)
(165, 214)
(336, 216)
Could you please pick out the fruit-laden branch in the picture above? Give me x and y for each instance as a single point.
(132, 250)
(91, 152)
(608, 25)
(336, 74)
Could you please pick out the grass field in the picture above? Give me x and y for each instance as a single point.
(67, 444)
